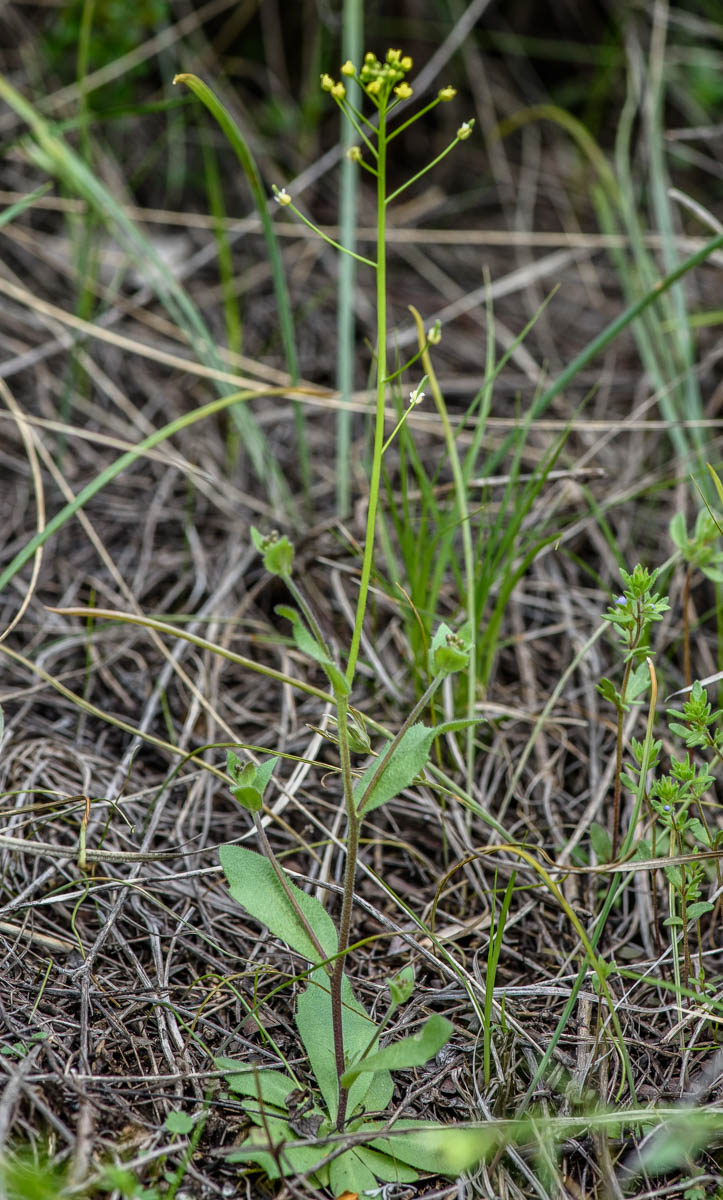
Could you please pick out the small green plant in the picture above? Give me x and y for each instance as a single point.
(340, 1038)
(352, 1074)
(631, 614)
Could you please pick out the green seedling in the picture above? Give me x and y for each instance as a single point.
(631, 614)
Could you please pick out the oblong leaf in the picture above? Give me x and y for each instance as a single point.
(254, 885)
(412, 1051)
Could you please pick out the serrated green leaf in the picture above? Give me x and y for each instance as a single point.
(253, 884)
(272, 1087)
(411, 1051)
(699, 831)
(639, 682)
(608, 691)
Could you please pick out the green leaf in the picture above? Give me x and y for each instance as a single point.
(271, 1087)
(402, 986)
(398, 772)
(600, 842)
(389, 1170)
(277, 551)
(698, 909)
(678, 532)
(677, 1141)
(699, 831)
(253, 884)
(313, 1020)
(309, 646)
(440, 1149)
(608, 691)
(294, 1161)
(250, 780)
(411, 1051)
(349, 1173)
(448, 652)
(639, 682)
(179, 1122)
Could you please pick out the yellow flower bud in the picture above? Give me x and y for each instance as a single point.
(393, 57)
(370, 58)
(465, 130)
(354, 153)
(406, 63)
(327, 83)
(403, 91)
(338, 91)
(375, 87)
(447, 93)
(348, 68)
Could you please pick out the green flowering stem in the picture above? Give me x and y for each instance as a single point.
(423, 171)
(353, 825)
(422, 112)
(415, 397)
(467, 547)
(282, 197)
(375, 480)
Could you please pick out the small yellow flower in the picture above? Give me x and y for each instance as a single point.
(406, 63)
(403, 91)
(370, 58)
(447, 93)
(375, 87)
(348, 68)
(327, 83)
(393, 57)
(282, 197)
(338, 91)
(355, 154)
(465, 130)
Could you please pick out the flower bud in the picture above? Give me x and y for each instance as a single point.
(338, 91)
(403, 91)
(327, 83)
(447, 93)
(348, 68)
(354, 153)
(465, 130)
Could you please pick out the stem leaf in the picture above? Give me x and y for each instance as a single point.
(412, 1051)
(253, 884)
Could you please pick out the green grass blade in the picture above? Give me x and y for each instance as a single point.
(248, 164)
